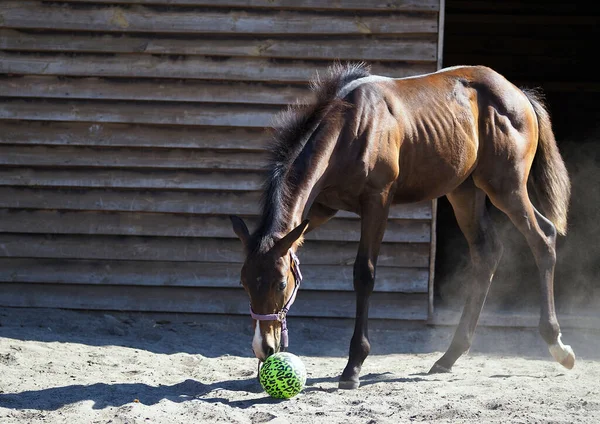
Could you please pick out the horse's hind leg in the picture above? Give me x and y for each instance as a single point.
(540, 234)
(471, 214)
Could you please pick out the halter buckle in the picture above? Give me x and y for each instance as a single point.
(281, 315)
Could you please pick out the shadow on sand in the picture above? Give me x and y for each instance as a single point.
(116, 395)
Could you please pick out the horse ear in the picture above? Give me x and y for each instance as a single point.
(283, 245)
(240, 228)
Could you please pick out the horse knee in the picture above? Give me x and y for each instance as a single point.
(364, 274)
(486, 257)
(360, 346)
(545, 254)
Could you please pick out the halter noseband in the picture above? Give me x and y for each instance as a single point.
(281, 316)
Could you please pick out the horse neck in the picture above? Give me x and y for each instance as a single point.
(309, 170)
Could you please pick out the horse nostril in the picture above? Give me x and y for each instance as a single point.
(270, 351)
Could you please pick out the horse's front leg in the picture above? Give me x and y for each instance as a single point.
(374, 211)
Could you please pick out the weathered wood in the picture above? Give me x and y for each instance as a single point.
(123, 135)
(521, 319)
(193, 274)
(151, 201)
(389, 5)
(156, 224)
(421, 210)
(143, 179)
(192, 67)
(140, 113)
(110, 157)
(37, 15)
(164, 201)
(406, 48)
(432, 253)
(158, 90)
(194, 249)
(216, 301)
(128, 133)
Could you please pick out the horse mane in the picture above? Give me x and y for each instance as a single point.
(291, 131)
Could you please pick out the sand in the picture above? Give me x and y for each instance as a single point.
(80, 367)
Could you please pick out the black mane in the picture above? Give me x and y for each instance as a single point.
(293, 128)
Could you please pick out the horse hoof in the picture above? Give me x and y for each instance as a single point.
(569, 361)
(563, 354)
(438, 369)
(348, 384)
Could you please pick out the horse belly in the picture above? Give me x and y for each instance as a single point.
(433, 169)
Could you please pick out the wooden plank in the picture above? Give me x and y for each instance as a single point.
(193, 274)
(189, 67)
(406, 48)
(37, 15)
(522, 319)
(148, 201)
(131, 135)
(140, 113)
(110, 157)
(160, 224)
(158, 90)
(215, 301)
(420, 210)
(164, 201)
(389, 5)
(432, 253)
(139, 179)
(441, 34)
(413, 255)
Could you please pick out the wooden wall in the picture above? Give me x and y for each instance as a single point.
(130, 130)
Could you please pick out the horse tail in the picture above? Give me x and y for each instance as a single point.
(549, 177)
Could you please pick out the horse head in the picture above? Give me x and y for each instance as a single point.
(271, 277)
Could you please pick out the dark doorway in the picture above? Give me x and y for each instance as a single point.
(553, 47)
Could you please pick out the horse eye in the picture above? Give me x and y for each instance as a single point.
(282, 285)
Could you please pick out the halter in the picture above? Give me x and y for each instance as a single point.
(281, 316)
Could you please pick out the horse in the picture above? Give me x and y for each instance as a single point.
(369, 141)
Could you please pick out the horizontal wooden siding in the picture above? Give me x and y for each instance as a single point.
(130, 130)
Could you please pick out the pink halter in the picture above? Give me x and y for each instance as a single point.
(281, 316)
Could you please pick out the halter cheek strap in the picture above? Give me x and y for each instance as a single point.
(281, 316)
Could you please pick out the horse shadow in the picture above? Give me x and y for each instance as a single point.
(119, 394)
(315, 384)
(106, 395)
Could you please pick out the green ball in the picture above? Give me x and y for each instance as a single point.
(283, 375)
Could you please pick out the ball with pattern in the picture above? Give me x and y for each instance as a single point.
(283, 375)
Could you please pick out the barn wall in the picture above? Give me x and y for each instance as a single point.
(130, 130)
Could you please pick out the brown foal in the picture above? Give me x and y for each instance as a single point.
(370, 141)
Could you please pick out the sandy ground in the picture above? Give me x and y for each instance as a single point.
(80, 367)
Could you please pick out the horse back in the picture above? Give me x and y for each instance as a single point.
(446, 123)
